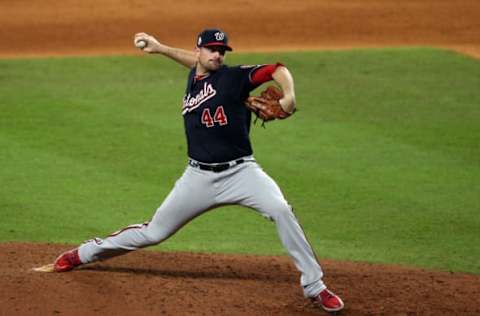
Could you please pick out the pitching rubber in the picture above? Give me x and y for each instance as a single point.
(46, 268)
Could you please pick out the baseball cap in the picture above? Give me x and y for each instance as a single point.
(213, 37)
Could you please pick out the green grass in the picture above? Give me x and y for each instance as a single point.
(382, 162)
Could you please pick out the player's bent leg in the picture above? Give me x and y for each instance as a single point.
(255, 189)
(294, 240)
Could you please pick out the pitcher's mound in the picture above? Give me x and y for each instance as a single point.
(155, 283)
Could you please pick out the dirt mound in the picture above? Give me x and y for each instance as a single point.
(71, 27)
(152, 283)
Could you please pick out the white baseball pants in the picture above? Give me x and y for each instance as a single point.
(198, 191)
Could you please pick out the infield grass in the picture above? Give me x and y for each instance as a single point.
(382, 161)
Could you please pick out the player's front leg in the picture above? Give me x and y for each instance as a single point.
(255, 189)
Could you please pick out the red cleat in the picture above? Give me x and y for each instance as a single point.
(329, 301)
(67, 261)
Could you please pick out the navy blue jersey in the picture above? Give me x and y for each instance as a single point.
(217, 123)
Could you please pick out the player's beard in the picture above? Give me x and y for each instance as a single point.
(212, 64)
(209, 60)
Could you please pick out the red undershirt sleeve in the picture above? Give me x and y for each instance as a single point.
(263, 73)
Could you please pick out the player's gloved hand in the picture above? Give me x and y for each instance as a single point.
(267, 106)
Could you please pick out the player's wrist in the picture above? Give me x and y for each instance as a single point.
(158, 48)
(287, 103)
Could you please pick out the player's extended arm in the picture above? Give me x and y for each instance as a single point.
(284, 78)
(181, 56)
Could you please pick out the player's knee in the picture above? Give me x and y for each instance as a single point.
(156, 235)
(154, 239)
(281, 211)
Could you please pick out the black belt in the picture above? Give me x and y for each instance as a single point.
(216, 167)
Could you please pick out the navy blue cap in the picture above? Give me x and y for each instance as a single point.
(213, 37)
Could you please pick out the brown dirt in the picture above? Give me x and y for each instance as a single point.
(153, 283)
(72, 27)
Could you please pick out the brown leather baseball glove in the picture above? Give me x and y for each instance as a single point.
(267, 106)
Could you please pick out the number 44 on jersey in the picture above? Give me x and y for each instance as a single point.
(218, 117)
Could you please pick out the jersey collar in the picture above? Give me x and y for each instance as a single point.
(200, 77)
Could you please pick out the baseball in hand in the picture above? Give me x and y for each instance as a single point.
(141, 44)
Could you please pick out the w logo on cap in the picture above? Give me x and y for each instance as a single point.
(213, 37)
(219, 36)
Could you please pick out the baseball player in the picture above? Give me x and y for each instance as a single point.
(221, 167)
